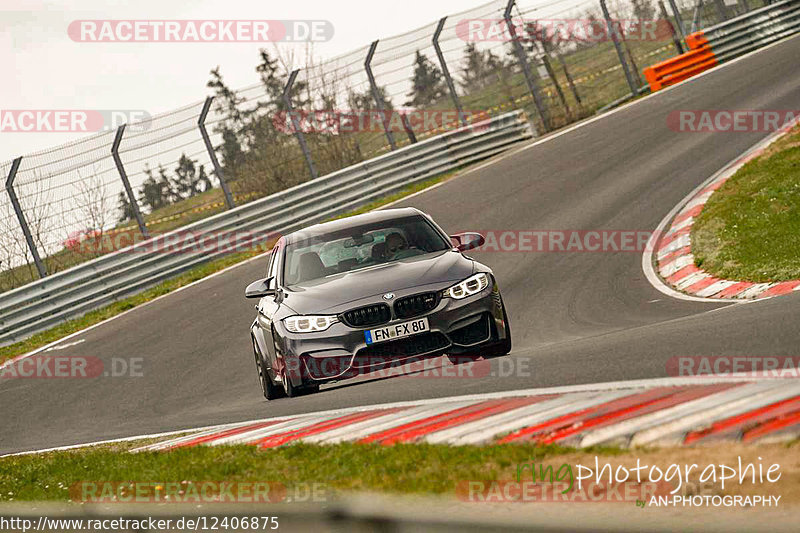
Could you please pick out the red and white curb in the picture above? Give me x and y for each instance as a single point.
(670, 411)
(673, 254)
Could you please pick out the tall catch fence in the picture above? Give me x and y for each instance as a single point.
(559, 60)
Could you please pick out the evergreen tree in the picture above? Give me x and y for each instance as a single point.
(154, 195)
(478, 68)
(186, 182)
(232, 127)
(203, 179)
(274, 82)
(427, 83)
(125, 208)
(643, 10)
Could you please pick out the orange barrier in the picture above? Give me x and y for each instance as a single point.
(696, 40)
(700, 57)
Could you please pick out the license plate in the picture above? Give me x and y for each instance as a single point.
(397, 331)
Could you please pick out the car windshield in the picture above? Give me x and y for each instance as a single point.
(359, 247)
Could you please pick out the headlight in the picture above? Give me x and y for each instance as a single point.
(309, 323)
(468, 287)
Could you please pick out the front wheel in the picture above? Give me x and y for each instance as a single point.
(293, 391)
(503, 347)
(270, 391)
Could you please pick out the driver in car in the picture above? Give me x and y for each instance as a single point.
(397, 247)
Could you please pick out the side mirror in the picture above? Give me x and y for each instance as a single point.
(467, 241)
(259, 289)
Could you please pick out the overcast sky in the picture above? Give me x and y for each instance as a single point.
(44, 69)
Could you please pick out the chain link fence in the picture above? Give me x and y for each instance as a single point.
(307, 118)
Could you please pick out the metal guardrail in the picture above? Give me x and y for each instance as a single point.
(93, 284)
(753, 30)
(726, 41)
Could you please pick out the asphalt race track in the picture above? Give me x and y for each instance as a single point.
(576, 317)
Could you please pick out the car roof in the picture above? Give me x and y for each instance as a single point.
(355, 220)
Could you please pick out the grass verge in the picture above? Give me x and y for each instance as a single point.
(403, 468)
(422, 469)
(93, 317)
(750, 228)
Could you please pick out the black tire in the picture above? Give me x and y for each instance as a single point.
(460, 359)
(504, 346)
(293, 391)
(270, 391)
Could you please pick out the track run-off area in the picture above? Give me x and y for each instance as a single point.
(577, 317)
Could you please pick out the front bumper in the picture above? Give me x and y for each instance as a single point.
(341, 352)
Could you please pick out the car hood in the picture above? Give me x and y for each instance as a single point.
(338, 293)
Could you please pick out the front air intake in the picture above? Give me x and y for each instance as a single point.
(369, 315)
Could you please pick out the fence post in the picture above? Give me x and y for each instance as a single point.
(126, 183)
(696, 16)
(21, 217)
(376, 95)
(446, 71)
(615, 37)
(678, 19)
(675, 40)
(526, 69)
(301, 139)
(201, 123)
(722, 11)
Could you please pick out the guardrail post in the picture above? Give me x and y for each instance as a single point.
(615, 37)
(675, 40)
(201, 123)
(678, 19)
(21, 217)
(301, 139)
(446, 71)
(127, 184)
(526, 69)
(376, 95)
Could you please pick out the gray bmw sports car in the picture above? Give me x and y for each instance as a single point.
(369, 292)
